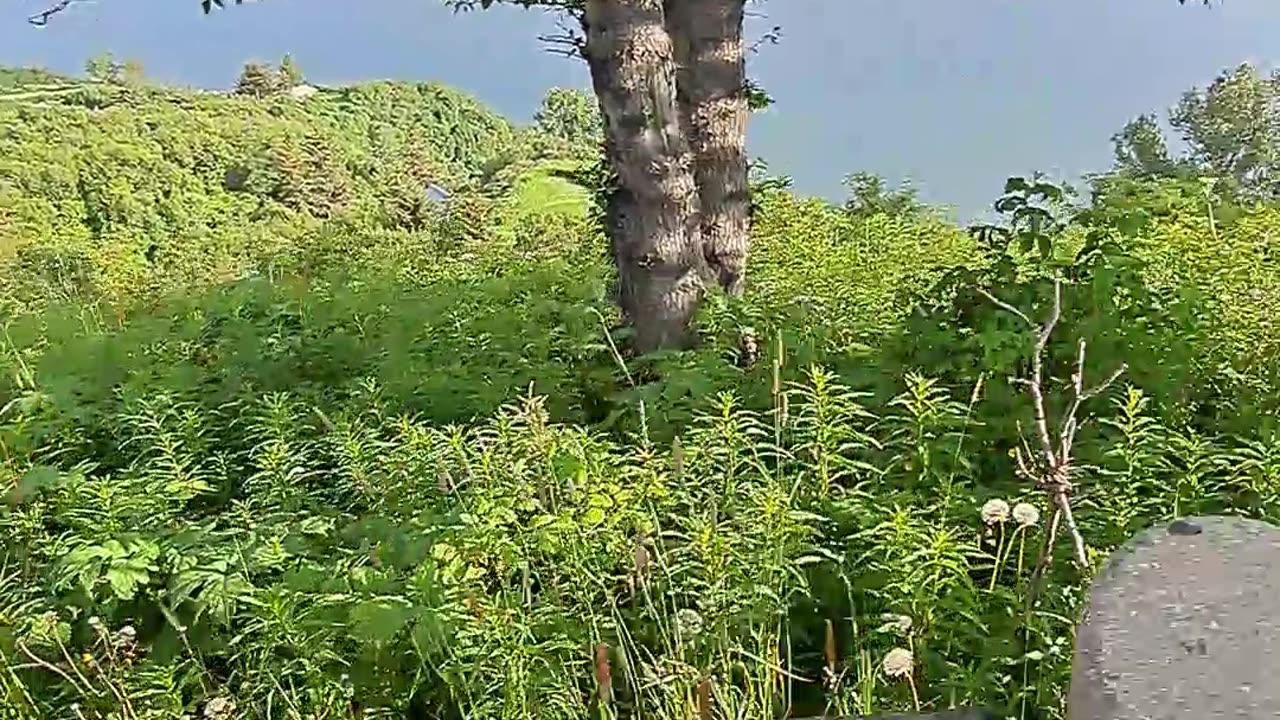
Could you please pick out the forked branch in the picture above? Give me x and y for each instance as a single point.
(42, 18)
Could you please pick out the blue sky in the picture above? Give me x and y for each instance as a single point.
(954, 94)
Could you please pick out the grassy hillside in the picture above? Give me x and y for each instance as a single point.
(114, 193)
(280, 437)
(28, 78)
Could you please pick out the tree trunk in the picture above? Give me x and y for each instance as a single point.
(712, 95)
(653, 212)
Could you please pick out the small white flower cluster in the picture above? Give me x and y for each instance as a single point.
(689, 622)
(124, 639)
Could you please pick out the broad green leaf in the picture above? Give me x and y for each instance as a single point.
(379, 621)
(593, 516)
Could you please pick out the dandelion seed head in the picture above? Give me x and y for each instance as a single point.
(898, 663)
(995, 511)
(1026, 514)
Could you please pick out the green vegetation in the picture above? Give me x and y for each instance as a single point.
(281, 437)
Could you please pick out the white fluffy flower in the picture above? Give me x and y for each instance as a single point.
(995, 511)
(898, 663)
(1026, 514)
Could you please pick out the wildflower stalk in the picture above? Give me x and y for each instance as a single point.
(1022, 547)
(704, 698)
(604, 679)
(995, 570)
(995, 513)
(900, 663)
(1008, 548)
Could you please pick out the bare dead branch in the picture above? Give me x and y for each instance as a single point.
(771, 38)
(1105, 384)
(1054, 470)
(1022, 466)
(1045, 558)
(42, 18)
(1077, 540)
(1069, 423)
(567, 41)
(1021, 455)
(1052, 322)
(1036, 386)
(1060, 503)
(1005, 306)
(566, 45)
(1077, 377)
(37, 660)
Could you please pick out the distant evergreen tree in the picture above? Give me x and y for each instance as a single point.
(290, 73)
(570, 115)
(100, 67)
(258, 81)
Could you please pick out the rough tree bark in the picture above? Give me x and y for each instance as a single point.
(653, 213)
(712, 97)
